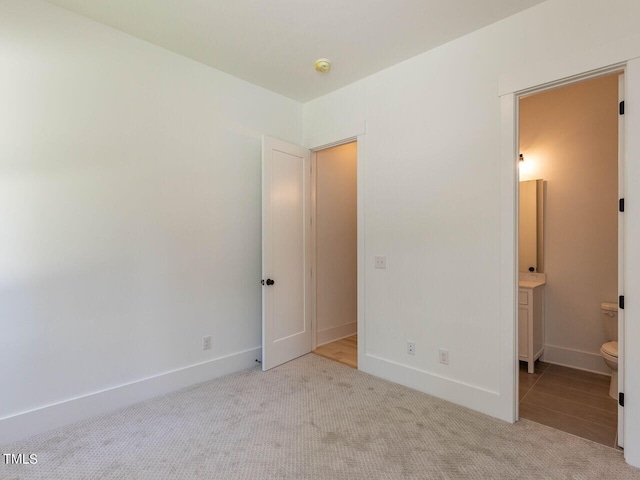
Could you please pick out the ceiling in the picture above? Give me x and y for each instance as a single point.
(274, 43)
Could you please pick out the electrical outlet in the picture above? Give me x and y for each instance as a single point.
(443, 356)
(380, 261)
(411, 348)
(206, 342)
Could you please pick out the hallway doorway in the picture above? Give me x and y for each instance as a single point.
(335, 259)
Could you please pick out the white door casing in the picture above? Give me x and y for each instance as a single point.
(286, 313)
(509, 101)
(621, 261)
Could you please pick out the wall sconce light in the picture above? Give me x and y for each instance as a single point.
(521, 160)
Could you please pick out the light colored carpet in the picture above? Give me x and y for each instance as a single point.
(310, 418)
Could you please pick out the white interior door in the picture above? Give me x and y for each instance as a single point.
(621, 324)
(286, 313)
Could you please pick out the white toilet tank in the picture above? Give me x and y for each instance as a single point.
(610, 320)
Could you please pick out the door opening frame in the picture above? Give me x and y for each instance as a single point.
(314, 238)
(354, 133)
(510, 181)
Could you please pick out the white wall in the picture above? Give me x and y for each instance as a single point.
(434, 189)
(130, 191)
(130, 216)
(336, 248)
(569, 138)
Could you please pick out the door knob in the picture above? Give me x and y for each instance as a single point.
(270, 282)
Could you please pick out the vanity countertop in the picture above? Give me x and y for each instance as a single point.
(531, 279)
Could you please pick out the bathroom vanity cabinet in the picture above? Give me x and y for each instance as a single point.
(530, 321)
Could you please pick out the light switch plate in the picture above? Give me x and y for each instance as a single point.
(443, 356)
(380, 261)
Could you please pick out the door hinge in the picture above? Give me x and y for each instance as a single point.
(621, 399)
(621, 205)
(621, 302)
(622, 107)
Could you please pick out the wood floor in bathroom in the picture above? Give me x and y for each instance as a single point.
(570, 400)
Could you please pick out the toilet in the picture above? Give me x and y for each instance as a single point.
(609, 350)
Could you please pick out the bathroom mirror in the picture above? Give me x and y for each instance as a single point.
(531, 226)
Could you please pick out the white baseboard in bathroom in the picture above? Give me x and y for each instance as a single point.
(332, 334)
(33, 422)
(568, 357)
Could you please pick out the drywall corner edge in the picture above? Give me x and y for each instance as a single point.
(508, 371)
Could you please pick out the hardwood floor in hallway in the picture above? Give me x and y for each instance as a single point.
(344, 351)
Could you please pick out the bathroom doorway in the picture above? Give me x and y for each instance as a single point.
(569, 255)
(335, 259)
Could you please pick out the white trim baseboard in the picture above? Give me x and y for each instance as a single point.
(569, 357)
(471, 396)
(33, 422)
(333, 334)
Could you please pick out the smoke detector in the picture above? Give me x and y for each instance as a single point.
(322, 65)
